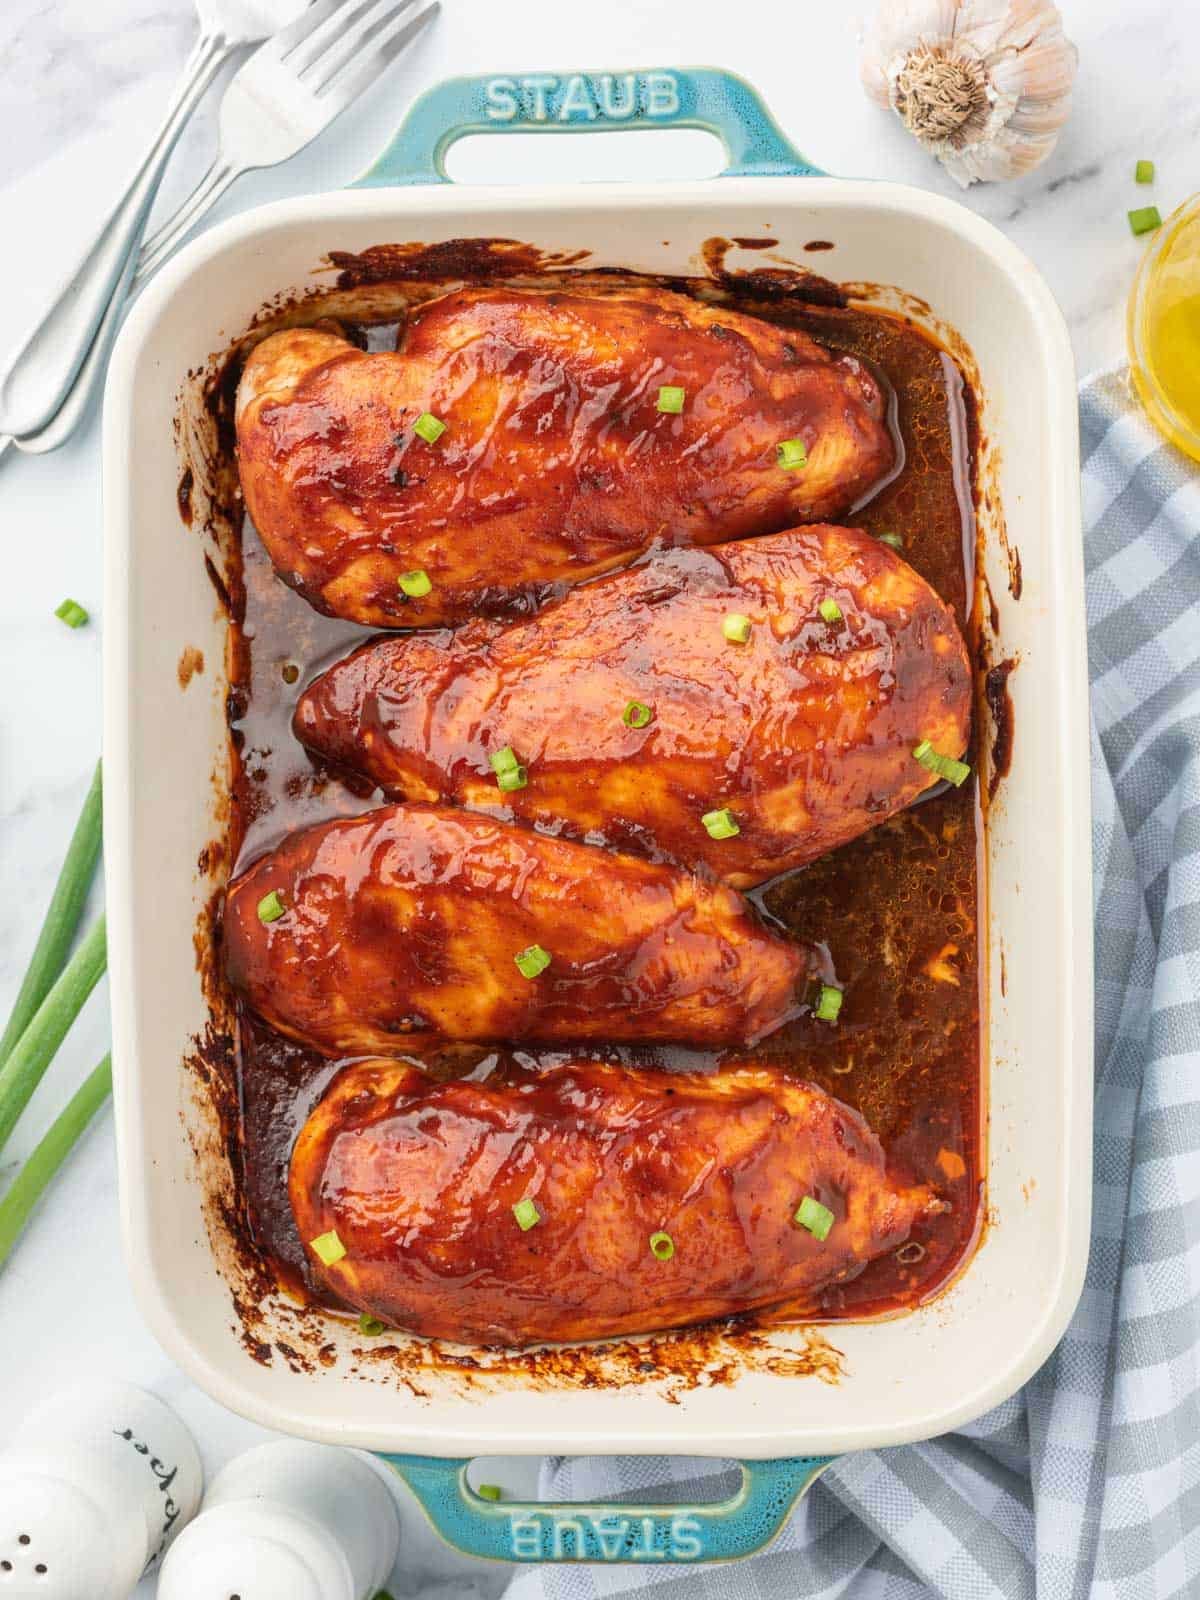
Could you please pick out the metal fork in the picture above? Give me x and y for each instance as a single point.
(288, 92)
(36, 380)
(274, 107)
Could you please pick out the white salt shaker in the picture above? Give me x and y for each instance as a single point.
(94, 1485)
(288, 1521)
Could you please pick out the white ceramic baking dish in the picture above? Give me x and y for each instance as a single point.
(906, 1378)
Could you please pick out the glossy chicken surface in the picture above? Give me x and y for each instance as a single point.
(418, 1179)
(402, 926)
(556, 463)
(805, 732)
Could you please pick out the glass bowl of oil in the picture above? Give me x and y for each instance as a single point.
(1163, 328)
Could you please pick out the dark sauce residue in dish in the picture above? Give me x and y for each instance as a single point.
(471, 259)
(183, 496)
(768, 283)
(999, 703)
(897, 910)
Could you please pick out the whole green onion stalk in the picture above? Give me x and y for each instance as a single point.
(57, 1143)
(62, 918)
(51, 996)
(34, 1050)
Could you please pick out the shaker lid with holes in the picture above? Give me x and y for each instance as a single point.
(94, 1483)
(56, 1543)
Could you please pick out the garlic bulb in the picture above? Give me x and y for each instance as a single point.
(985, 85)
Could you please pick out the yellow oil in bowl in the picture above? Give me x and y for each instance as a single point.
(1164, 328)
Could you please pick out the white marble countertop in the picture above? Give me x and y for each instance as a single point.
(81, 82)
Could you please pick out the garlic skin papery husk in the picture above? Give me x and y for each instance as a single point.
(985, 85)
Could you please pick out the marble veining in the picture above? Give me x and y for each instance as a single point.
(82, 83)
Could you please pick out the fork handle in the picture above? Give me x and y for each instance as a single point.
(40, 375)
(203, 197)
(88, 379)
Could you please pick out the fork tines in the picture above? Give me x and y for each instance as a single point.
(339, 46)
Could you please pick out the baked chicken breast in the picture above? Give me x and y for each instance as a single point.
(586, 1200)
(404, 927)
(634, 717)
(558, 458)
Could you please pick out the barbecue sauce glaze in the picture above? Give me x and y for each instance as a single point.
(896, 911)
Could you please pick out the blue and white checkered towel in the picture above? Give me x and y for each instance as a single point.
(1086, 1484)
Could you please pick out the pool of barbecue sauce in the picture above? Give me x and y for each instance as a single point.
(897, 909)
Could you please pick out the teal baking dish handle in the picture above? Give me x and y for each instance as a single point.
(527, 1532)
(709, 98)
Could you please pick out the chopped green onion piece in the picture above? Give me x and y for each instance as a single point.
(790, 454)
(720, 824)
(271, 907)
(328, 1247)
(830, 610)
(429, 427)
(955, 772)
(670, 398)
(1145, 219)
(489, 1491)
(894, 539)
(636, 714)
(510, 774)
(532, 961)
(811, 1214)
(1144, 172)
(736, 628)
(371, 1327)
(527, 1215)
(381, 1594)
(416, 584)
(829, 1003)
(662, 1246)
(72, 613)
